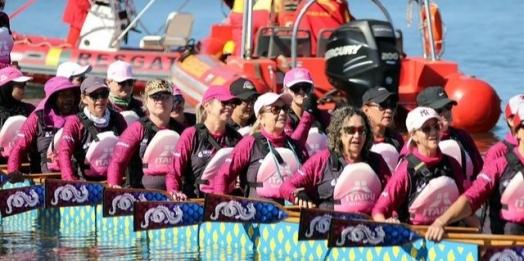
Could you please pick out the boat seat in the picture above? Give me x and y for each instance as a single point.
(177, 31)
(274, 41)
(322, 40)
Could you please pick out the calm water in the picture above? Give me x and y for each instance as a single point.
(481, 36)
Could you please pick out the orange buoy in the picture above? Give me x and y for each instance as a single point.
(478, 108)
(438, 30)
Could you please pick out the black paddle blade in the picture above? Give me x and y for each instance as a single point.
(119, 202)
(314, 223)
(151, 215)
(19, 200)
(357, 233)
(61, 193)
(224, 208)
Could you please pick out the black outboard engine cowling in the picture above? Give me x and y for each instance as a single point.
(361, 55)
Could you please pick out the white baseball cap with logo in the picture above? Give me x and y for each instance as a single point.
(269, 98)
(69, 69)
(418, 116)
(513, 105)
(120, 71)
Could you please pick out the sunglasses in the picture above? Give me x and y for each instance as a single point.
(277, 109)
(79, 78)
(20, 85)
(178, 99)
(306, 87)
(98, 95)
(351, 130)
(448, 107)
(129, 82)
(249, 101)
(160, 96)
(429, 128)
(233, 103)
(384, 105)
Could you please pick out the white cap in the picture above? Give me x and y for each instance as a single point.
(269, 98)
(513, 105)
(418, 116)
(69, 69)
(120, 71)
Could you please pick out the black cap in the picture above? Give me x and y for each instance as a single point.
(243, 88)
(434, 97)
(378, 95)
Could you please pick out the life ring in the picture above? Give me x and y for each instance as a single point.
(438, 30)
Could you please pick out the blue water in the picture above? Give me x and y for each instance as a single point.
(483, 37)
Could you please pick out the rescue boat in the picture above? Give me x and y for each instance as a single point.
(196, 66)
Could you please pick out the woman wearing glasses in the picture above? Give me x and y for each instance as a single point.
(179, 103)
(134, 142)
(268, 143)
(200, 143)
(121, 82)
(379, 105)
(243, 116)
(299, 84)
(38, 131)
(320, 179)
(12, 92)
(81, 131)
(426, 182)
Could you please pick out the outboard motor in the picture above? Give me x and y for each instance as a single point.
(361, 55)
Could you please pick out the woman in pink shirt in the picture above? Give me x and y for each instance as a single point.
(426, 181)
(499, 184)
(350, 139)
(198, 144)
(132, 144)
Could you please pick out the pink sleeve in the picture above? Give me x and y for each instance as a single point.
(458, 174)
(71, 135)
(307, 177)
(181, 158)
(384, 172)
(304, 125)
(24, 141)
(496, 151)
(404, 151)
(235, 165)
(288, 129)
(394, 193)
(485, 183)
(127, 145)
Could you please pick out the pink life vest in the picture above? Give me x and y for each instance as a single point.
(452, 148)
(158, 156)
(272, 174)
(9, 133)
(357, 189)
(99, 154)
(510, 188)
(244, 131)
(216, 162)
(316, 141)
(433, 200)
(388, 152)
(130, 117)
(52, 152)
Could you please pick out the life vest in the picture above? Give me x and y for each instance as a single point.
(349, 187)
(130, 116)
(466, 163)
(294, 120)
(9, 133)
(316, 141)
(47, 144)
(134, 105)
(204, 148)
(244, 131)
(136, 169)
(158, 156)
(431, 191)
(511, 190)
(270, 167)
(390, 139)
(51, 157)
(453, 149)
(97, 147)
(208, 176)
(388, 152)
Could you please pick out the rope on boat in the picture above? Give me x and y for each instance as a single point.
(41, 44)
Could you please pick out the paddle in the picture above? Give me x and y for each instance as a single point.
(357, 233)
(164, 214)
(119, 202)
(18, 200)
(314, 223)
(61, 193)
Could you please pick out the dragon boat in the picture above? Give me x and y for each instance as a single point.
(226, 225)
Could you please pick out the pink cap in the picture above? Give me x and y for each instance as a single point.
(217, 92)
(176, 90)
(9, 74)
(297, 75)
(120, 71)
(513, 105)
